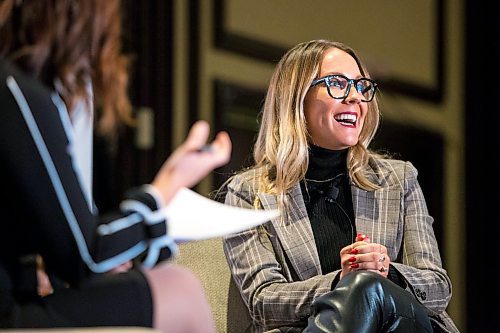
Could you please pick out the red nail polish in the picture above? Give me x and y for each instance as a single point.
(354, 251)
(352, 259)
(358, 234)
(354, 265)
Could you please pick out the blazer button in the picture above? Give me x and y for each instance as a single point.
(421, 294)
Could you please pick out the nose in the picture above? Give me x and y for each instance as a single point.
(353, 96)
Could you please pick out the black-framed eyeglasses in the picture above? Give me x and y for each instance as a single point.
(338, 86)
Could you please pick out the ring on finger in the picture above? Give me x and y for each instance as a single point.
(381, 259)
(382, 269)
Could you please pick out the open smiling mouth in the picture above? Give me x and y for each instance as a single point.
(346, 119)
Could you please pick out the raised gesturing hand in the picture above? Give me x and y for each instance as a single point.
(192, 160)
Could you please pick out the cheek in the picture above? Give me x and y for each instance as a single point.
(311, 112)
(364, 113)
(316, 118)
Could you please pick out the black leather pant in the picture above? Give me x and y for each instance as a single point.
(365, 302)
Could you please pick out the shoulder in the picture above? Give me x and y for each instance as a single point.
(246, 179)
(27, 104)
(13, 81)
(7, 69)
(245, 184)
(385, 171)
(7, 74)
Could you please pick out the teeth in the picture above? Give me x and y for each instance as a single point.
(347, 117)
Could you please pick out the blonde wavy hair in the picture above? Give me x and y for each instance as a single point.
(281, 148)
(74, 42)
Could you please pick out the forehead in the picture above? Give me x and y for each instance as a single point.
(336, 61)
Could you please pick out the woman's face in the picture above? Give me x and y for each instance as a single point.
(335, 123)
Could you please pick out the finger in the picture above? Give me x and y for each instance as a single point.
(382, 262)
(44, 285)
(383, 268)
(359, 247)
(378, 272)
(222, 146)
(354, 266)
(374, 271)
(361, 237)
(218, 152)
(351, 249)
(369, 257)
(382, 249)
(198, 135)
(379, 248)
(366, 265)
(347, 250)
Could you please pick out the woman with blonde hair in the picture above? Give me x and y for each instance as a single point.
(59, 58)
(354, 249)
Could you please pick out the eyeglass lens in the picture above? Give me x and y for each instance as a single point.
(338, 86)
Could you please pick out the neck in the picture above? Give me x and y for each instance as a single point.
(325, 164)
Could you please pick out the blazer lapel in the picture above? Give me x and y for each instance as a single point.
(364, 209)
(377, 215)
(295, 234)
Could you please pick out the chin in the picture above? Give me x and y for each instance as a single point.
(348, 143)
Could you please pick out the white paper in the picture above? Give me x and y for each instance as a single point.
(191, 216)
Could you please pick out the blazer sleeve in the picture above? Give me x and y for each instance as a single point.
(419, 257)
(45, 211)
(269, 287)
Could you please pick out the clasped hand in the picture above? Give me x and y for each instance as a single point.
(364, 255)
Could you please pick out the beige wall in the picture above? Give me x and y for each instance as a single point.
(396, 38)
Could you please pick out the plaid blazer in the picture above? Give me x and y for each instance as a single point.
(277, 269)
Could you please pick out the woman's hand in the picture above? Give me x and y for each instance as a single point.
(44, 286)
(125, 267)
(364, 255)
(192, 160)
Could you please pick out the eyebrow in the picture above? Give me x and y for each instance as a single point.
(343, 74)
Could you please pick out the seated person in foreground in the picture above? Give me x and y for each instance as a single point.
(57, 59)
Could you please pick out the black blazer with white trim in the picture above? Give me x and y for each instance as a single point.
(44, 210)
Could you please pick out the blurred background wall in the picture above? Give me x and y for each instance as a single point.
(436, 62)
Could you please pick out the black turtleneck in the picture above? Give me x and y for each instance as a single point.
(327, 195)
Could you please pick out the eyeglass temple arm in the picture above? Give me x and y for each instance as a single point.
(318, 81)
